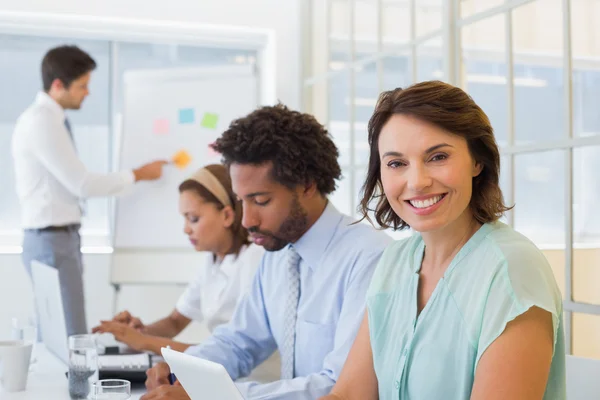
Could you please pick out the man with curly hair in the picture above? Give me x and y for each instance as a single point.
(308, 296)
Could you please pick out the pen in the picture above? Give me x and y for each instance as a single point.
(172, 377)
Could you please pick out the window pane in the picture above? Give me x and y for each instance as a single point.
(429, 16)
(537, 26)
(366, 90)
(21, 56)
(585, 34)
(339, 31)
(361, 145)
(396, 72)
(586, 224)
(339, 56)
(364, 104)
(341, 198)
(484, 70)
(586, 331)
(470, 7)
(365, 27)
(315, 100)
(538, 74)
(396, 24)
(429, 61)
(505, 181)
(586, 275)
(339, 22)
(586, 192)
(539, 197)
(586, 102)
(360, 175)
(339, 114)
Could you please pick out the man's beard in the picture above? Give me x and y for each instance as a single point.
(290, 230)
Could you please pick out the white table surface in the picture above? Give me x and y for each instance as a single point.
(47, 380)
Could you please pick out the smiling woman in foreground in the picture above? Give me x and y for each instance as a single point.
(466, 307)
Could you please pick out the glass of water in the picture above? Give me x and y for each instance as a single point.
(25, 329)
(111, 389)
(83, 365)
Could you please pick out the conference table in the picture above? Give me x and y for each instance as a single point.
(47, 380)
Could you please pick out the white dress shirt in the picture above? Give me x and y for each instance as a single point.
(50, 177)
(213, 295)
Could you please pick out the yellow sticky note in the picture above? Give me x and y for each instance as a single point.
(181, 159)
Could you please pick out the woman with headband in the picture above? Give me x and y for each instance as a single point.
(213, 219)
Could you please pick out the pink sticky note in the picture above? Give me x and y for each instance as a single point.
(161, 126)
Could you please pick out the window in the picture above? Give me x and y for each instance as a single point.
(519, 77)
(531, 124)
(92, 125)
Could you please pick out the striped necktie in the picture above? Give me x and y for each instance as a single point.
(291, 314)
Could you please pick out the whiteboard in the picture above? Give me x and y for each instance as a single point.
(166, 111)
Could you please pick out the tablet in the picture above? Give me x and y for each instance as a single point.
(201, 379)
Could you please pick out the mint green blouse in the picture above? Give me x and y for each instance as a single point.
(498, 275)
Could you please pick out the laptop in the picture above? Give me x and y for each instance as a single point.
(49, 306)
(201, 379)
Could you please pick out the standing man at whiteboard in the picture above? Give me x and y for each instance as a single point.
(51, 180)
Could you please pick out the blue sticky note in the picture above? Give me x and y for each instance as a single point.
(186, 116)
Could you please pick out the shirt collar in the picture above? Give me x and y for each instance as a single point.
(45, 100)
(313, 243)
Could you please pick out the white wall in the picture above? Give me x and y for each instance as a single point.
(283, 16)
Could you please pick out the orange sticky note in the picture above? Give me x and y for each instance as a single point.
(181, 159)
